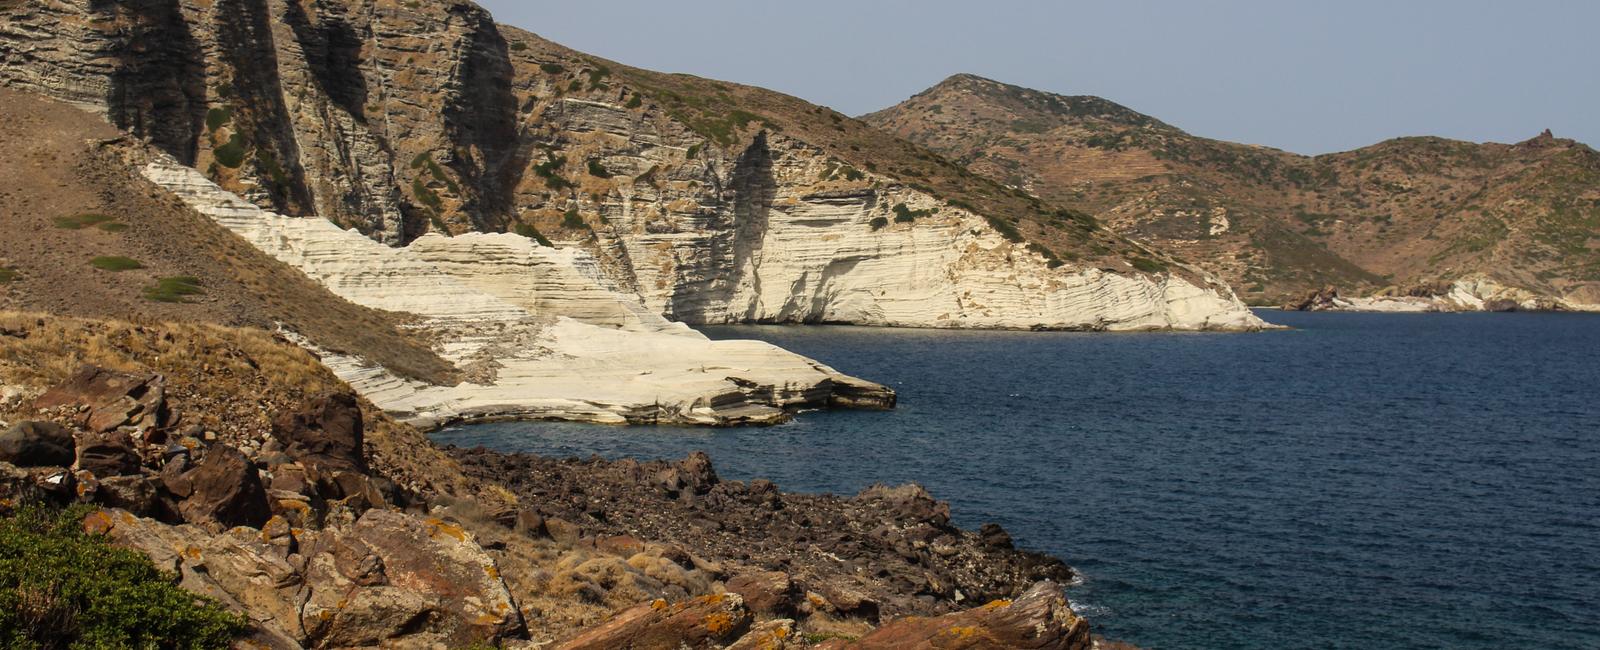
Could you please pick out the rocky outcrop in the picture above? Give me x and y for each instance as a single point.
(1475, 293)
(706, 622)
(786, 555)
(1040, 619)
(400, 119)
(537, 330)
(37, 444)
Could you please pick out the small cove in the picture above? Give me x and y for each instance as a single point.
(1374, 480)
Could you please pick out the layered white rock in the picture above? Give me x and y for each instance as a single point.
(538, 331)
(1474, 293)
(786, 253)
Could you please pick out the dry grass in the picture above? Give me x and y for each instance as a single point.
(230, 380)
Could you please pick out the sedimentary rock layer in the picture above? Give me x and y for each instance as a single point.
(536, 329)
(401, 119)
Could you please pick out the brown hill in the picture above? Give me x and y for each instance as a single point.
(85, 235)
(1405, 212)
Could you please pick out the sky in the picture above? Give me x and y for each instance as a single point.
(1310, 77)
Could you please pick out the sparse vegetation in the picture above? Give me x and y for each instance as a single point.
(61, 587)
(232, 153)
(598, 170)
(551, 68)
(572, 220)
(527, 230)
(81, 221)
(219, 117)
(878, 223)
(173, 289)
(1147, 265)
(9, 274)
(115, 263)
(903, 214)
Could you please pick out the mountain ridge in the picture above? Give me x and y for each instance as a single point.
(1277, 224)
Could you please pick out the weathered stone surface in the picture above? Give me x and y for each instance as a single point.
(767, 593)
(704, 622)
(1039, 620)
(387, 579)
(775, 634)
(107, 454)
(884, 553)
(225, 487)
(326, 434)
(37, 444)
(112, 399)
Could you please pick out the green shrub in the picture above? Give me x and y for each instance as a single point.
(692, 153)
(573, 220)
(217, 117)
(1147, 265)
(81, 221)
(551, 68)
(63, 588)
(173, 289)
(113, 226)
(9, 274)
(597, 77)
(878, 223)
(635, 101)
(903, 214)
(231, 154)
(853, 174)
(115, 263)
(527, 230)
(598, 170)
(519, 46)
(1006, 229)
(426, 196)
(575, 86)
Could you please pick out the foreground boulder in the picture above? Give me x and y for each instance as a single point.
(107, 399)
(1039, 620)
(37, 444)
(327, 434)
(388, 579)
(224, 487)
(706, 622)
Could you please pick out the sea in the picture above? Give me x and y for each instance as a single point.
(1358, 481)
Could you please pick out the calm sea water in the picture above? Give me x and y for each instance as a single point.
(1366, 480)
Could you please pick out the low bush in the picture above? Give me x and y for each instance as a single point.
(878, 223)
(115, 263)
(173, 289)
(527, 230)
(598, 170)
(81, 221)
(232, 153)
(9, 274)
(63, 588)
(572, 220)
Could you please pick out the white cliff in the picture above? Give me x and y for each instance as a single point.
(1473, 293)
(538, 331)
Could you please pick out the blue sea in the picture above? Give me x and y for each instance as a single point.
(1360, 481)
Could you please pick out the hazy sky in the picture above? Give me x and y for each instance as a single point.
(1310, 77)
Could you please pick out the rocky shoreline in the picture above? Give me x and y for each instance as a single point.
(255, 477)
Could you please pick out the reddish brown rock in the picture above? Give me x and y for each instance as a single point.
(225, 487)
(1039, 620)
(113, 399)
(326, 435)
(107, 454)
(36, 444)
(705, 622)
(768, 593)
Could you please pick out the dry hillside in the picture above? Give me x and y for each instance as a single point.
(1405, 212)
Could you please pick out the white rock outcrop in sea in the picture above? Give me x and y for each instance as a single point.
(537, 330)
(1474, 293)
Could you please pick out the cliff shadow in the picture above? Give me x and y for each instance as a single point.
(158, 84)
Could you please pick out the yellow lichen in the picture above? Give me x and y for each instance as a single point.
(719, 623)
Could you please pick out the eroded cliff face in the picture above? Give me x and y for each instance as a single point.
(400, 119)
